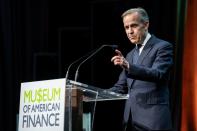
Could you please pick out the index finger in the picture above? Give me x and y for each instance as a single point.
(118, 52)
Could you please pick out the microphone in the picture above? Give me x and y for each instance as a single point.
(68, 69)
(112, 46)
(91, 52)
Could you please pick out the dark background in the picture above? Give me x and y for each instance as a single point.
(39, 39)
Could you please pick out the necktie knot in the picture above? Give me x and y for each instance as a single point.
(138, 46)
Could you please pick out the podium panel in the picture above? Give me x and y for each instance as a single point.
(42, 105)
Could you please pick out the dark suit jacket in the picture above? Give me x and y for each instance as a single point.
(147, 85)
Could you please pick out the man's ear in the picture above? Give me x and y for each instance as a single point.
(146, 24)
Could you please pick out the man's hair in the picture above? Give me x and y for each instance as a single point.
(141, 11)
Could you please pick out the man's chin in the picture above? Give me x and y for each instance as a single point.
(134, 42)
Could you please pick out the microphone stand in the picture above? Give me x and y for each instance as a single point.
(76, 73)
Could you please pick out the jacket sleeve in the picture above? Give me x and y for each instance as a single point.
(154, 68)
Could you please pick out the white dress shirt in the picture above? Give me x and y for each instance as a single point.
(144, 43)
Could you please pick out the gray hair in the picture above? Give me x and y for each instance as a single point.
(141, 11)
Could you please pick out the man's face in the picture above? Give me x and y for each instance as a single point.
(135, 29)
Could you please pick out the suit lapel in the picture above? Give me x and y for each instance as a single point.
(146, 50)
(143, 54)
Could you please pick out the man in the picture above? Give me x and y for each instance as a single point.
(145, 75)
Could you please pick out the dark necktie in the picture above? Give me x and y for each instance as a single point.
(136, 53)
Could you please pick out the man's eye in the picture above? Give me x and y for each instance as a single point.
(126, 27)
(134, 26)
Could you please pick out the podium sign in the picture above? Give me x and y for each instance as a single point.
(42, 106)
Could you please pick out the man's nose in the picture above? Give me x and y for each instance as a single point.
(130, 30)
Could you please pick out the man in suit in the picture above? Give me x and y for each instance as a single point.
(145, 75)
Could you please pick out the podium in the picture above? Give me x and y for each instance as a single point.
(76, 94)
(58, 104)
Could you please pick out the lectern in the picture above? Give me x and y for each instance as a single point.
(57, 105)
